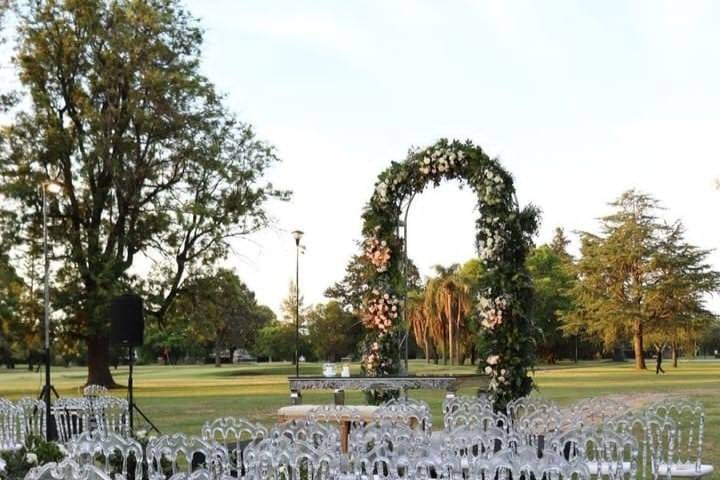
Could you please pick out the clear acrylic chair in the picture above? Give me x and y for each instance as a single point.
(94, 391)
(289, 459)
(523, 406)
(33, 418)
(479, 419)
(320, 435)
(539, 424)
(607, 454)
(414, 413)
(235, 434)
(689, 418)
(69, 469)
(72, 417)
(655, 436)
(185, 453)
(11, 432)
(111, 415)
(103, 449)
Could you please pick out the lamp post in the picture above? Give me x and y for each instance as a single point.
(297, 235)
(51, 433)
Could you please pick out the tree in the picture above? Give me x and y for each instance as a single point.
(350, 290)
(616, 274)
(677, 302)
(420, 323)
(334, 332)
(447, 304)
(276, 341)
(551, 270)
(290, 306)
(221, 310)
(150, 162)
(560, 243)
(641, 280)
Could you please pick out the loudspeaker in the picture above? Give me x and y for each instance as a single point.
(127, 324)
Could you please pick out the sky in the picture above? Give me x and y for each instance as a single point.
(579, 100)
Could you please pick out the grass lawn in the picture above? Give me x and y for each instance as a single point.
(181, 398)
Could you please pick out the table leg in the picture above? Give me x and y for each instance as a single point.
(344, 434)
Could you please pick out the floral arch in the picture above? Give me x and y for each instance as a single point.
(504, 236)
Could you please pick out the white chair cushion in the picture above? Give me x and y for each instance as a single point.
(605, 468)
(687, 470)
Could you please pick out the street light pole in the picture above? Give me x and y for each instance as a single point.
(51, 431)
(297, 235)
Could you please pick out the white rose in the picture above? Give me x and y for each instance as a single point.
(493, 359)
(503, 372)
(427, 160)
(31, 458)
(488, 370)
(501, 379)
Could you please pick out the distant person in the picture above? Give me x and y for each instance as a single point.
(658, 361)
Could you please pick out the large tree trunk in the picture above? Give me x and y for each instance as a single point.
(98, 356)
(675, 355)
(638, 346)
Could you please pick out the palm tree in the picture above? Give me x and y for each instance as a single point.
(435, 316)
(419, 321)
(450, 295)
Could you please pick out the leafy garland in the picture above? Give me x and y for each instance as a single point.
(504, 236)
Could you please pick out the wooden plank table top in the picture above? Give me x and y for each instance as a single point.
(345, 414)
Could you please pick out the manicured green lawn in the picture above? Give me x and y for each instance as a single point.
(181, 398)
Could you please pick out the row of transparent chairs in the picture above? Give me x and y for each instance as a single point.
(661, 441)
(19, 420)
(669, 433)
(75, 415)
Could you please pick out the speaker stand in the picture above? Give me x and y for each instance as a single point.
(132, 406)
(45, 395)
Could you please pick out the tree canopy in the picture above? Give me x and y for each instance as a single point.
(150, 162)
(638, 277)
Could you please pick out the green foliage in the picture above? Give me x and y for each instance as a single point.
(639, 278)
(36, 451)
(220, 310)
(334, 332)
(553, 278)
(277, 342)
(149, 160)
(504, 232)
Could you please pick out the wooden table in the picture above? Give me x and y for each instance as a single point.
(346, 416)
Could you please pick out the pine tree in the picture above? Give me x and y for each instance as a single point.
(560, 243)
(640, 280)
(677, 299)
(616, 272)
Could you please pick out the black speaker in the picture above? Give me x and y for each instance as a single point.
(127, 324)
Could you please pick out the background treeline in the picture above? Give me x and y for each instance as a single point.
(635, 288)
(638, 287)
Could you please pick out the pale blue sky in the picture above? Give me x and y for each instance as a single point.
(580, 100)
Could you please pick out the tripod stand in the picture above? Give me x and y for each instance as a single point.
(47, 390)
(132, 406)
